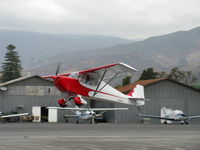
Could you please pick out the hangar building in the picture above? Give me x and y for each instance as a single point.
(32, 92)
(161, 93)
(28, 94)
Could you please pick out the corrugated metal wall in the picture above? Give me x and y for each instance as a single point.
(27, 93)
(164, 93)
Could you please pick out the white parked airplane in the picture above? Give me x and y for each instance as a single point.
(87, 113)
(3, 116)
(175, 115)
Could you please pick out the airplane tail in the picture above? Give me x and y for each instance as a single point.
(164, 111)
(77, 112)
(137, 92)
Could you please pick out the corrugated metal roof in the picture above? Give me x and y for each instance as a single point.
(21, 79)
(129, 87)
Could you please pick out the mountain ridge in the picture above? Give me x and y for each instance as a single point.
(179, 49)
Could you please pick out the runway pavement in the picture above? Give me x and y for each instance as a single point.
(62, 136)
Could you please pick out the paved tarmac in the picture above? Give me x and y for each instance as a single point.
(62, 136)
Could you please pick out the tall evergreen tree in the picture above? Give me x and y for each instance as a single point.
(11, 68)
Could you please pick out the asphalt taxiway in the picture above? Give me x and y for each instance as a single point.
(62, 136)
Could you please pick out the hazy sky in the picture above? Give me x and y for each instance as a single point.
(122, 18)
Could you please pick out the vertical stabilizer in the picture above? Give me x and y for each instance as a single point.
(137, 92)
(164, 112)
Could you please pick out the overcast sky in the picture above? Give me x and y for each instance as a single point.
(123, 18)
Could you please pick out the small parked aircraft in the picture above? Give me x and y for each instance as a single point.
(175, 115)
(87, 113)
(89, 84)
(4, 116)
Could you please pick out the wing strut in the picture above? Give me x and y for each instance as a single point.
(109, 81)
(95, 92)
(105, 84)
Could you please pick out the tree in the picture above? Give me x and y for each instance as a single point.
(175, 74)
(11, 68)
(126, 80)
(148, 74)
(182, 76)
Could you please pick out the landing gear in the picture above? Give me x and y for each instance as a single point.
(77, 122)
(184, 122)
(165, 122)
(93, 121)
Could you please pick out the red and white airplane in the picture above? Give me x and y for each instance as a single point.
(90, 84)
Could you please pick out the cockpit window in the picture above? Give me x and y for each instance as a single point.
(183, 115)
(74, 75)
(87, 79)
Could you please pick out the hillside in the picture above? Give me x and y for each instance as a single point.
(40, 52)
(33, 46)
(179, 49)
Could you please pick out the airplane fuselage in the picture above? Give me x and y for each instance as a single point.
(178, 115)
(90, 84)
(73, 85)
(86, 115)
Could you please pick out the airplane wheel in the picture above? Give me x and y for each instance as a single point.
(77, 122)
(165, 122)
(186, 122)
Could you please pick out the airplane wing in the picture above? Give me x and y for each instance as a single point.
(14, 115)
(155, 117)
(107, 109)
(112, 69)
(66, 108)
(71, 115)
(193, 117)
(85, 109)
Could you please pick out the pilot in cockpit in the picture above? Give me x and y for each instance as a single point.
(87, 79)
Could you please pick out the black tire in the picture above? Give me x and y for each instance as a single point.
(186, 122)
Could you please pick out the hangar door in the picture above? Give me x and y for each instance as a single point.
(40, 114)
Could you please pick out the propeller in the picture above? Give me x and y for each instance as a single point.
(58, 68)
